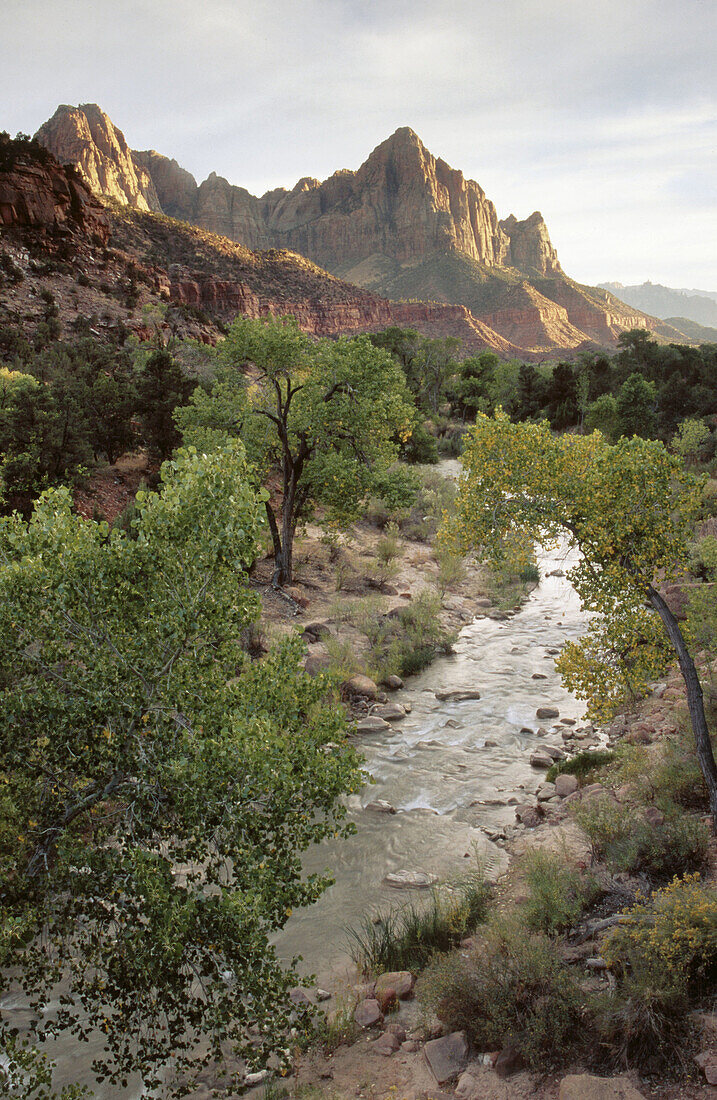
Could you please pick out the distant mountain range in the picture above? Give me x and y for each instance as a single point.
(405, 226)
(699, 306)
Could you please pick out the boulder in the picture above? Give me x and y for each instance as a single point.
(546, 792)
(390, 712)
(583, 1086)
(707, 1061)
(392, 682)
(387, 999)
(380, 806)
(509, 1061)
(547, 712)
(566, 785)
(410, 880)
(400, 980)
(387, 1044)
(368, 1013)
(528, 815)
(314, 666)
(361, 685)
(317, 631)
(372, 724)
(553, 751)
(447, 1057)
(541, 759)
(457, 696)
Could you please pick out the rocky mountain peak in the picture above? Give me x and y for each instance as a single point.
(86, 137)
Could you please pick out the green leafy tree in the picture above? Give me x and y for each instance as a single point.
(162, 386)
(636, 407)
(690, 439)
(629, 507)
(602, 416)
(156, 786)
(326, 414)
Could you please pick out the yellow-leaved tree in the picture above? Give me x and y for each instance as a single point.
(629, 507)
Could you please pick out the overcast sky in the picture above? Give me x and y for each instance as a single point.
(600, 113)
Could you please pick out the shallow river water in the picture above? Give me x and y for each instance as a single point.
(446, 768)
(449, 768)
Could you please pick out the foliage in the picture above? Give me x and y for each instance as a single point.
(162, 387)
(512, 988)
(627, 842)
(406, 938)
(664, 956)
(582, 765)
(690, 438)
(158, 786)
(325, 413)
(557, 893)
(629, 508)
(26, 1074)
(435, 496)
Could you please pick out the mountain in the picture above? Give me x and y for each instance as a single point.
(664, 301)
(120, 269)
(405, 226)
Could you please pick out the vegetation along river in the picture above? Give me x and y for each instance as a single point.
(453, 770)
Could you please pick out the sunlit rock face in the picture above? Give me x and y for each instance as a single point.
(86, 137)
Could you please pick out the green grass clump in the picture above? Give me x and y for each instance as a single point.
(557, 894)
(512, 988)
(582, 765)
(408, 937)
(622, 837)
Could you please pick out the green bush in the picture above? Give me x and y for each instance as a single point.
(703, 558)
(408, 937)
(664, 957)
(512, 988)
(435, 496)
(557, 893)
(627, 842)
(582, 765)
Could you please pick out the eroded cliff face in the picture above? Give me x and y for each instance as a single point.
(86, 137)
(404, 225)
(51, 199)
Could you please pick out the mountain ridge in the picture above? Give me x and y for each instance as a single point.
(404, 225)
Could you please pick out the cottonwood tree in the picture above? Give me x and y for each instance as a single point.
(629, 507)
(328, 415)
(156, 786)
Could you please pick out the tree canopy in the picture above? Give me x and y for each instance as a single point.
(629, 507)
(329, 415)
(157, 786)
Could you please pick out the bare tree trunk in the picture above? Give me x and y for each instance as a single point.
(695, 701)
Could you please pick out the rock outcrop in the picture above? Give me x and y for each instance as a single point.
(44, 196)
(404, 226)
(86, 137)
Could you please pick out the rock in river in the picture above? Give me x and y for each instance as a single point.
(457, 696)
(410, 880)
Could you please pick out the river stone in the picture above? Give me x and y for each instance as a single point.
(380, 806)
(566, 785)
(410, 880)
(546, 792)
(553, 751)
(541, 759)
(368, 1013)
(528, 815)
(456, 696)
(583, 1086)
(361, 685)
(392, 682)
(372, 724)
(452, 724)
(527, 729)
(483, 601)
(547, 712)
(400, 980)
(539, 676)
(387, 1044)
(390, 712)
(448, 1056)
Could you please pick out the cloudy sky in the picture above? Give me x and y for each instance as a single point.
(600, 113)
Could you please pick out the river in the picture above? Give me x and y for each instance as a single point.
(450, 770)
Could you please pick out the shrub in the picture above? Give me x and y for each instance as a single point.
(663, 956)
(419, 637)
(408, 937)
(388, 546)
(582, 765)
(513, 988)
(558, 894)
(451, 569)
(434, 497)
(627, 842)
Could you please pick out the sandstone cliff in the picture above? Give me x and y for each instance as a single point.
(405, 225)
(86, 137)
(39, 194)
